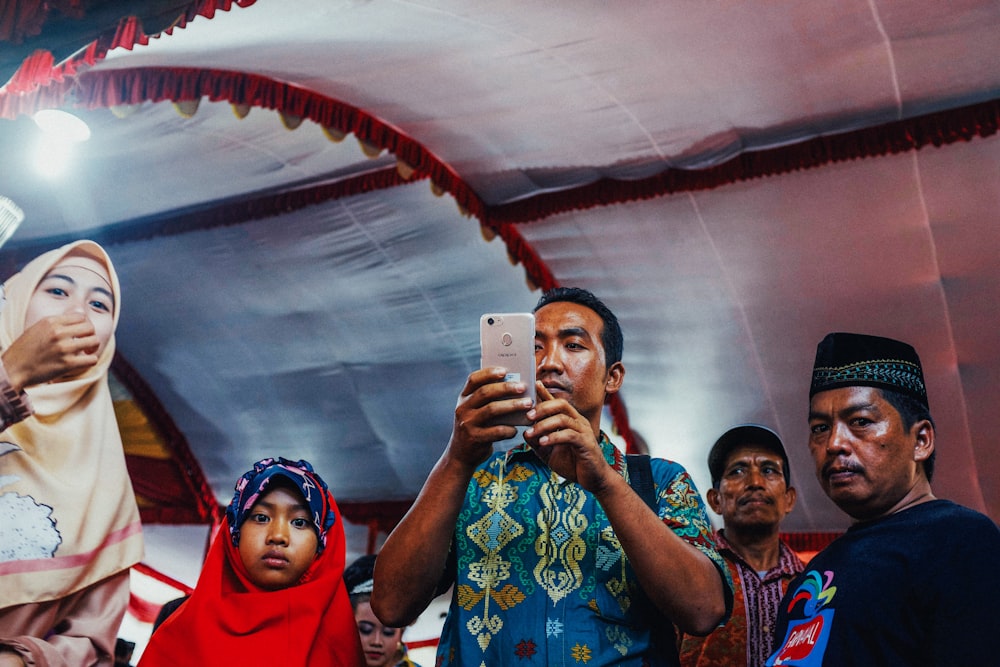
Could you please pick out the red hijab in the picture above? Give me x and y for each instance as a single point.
(228, 620)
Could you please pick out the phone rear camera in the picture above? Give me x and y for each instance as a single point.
(490, 321)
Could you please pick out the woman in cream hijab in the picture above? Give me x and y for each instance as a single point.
(69, 525)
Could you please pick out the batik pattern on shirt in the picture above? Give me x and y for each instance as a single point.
(541, 576)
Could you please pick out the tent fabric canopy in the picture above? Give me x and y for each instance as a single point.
(310, 205)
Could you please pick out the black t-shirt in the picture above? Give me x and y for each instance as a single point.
(919, 587)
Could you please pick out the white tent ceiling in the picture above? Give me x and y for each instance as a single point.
(286, 294)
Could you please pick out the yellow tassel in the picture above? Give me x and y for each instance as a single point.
(124, 110)
(188, 108)
(333, 134)
(404, 170)
(371, 150)
(290, 121)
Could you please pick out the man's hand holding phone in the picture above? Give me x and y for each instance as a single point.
(565, 440)
(487, 401)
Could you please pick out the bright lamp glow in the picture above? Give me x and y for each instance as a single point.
(61, 132)
(62, 125)
(52, 156)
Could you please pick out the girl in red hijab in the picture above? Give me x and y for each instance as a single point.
(271, 590)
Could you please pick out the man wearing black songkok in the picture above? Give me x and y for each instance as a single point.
(914, 580)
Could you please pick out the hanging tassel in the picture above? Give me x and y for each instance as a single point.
(333, 134)
(290, 121)
(124, 110)
(404, 170)
(371, 150)
(187, 108)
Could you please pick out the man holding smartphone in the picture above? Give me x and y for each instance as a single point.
(555, 558)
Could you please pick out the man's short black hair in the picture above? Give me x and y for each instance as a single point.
(611, 336)
(911, 411)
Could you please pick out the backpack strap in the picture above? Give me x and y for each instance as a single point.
(640, 478)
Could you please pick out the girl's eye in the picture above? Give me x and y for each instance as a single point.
(100, 306)
(56, 291)
(300, 523)
(259, 518)
(365, 628)
(389, 632)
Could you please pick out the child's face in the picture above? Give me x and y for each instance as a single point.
(278, 541)
(379, 642)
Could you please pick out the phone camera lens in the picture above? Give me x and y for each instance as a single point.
(490, 321)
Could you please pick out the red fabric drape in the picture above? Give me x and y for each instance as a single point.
(183, 487)
(26, 18)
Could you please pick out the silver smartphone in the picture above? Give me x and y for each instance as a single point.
(508, 340)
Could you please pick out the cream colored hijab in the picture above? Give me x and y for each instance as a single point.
(68, 516)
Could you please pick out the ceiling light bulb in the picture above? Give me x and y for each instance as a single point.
(61, 124)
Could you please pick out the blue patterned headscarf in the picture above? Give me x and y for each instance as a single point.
(850, 359)
(252, 485)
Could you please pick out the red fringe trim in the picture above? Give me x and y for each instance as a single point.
(23, 18)
(935, 129)
(619, 417)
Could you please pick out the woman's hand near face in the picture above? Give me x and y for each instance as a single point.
(51, 348)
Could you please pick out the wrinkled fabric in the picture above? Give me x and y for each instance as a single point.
(88, 624)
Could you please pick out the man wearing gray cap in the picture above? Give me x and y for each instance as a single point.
(914, 580)
(752, 492)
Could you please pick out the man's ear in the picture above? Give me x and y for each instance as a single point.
(923, 446)
(790, 497)
(712, 496)
(615, 377)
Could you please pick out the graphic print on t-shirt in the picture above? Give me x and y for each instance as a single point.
(809, 627)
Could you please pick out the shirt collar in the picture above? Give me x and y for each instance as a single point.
(788, 562)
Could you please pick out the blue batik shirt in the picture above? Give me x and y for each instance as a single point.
(541, 578)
